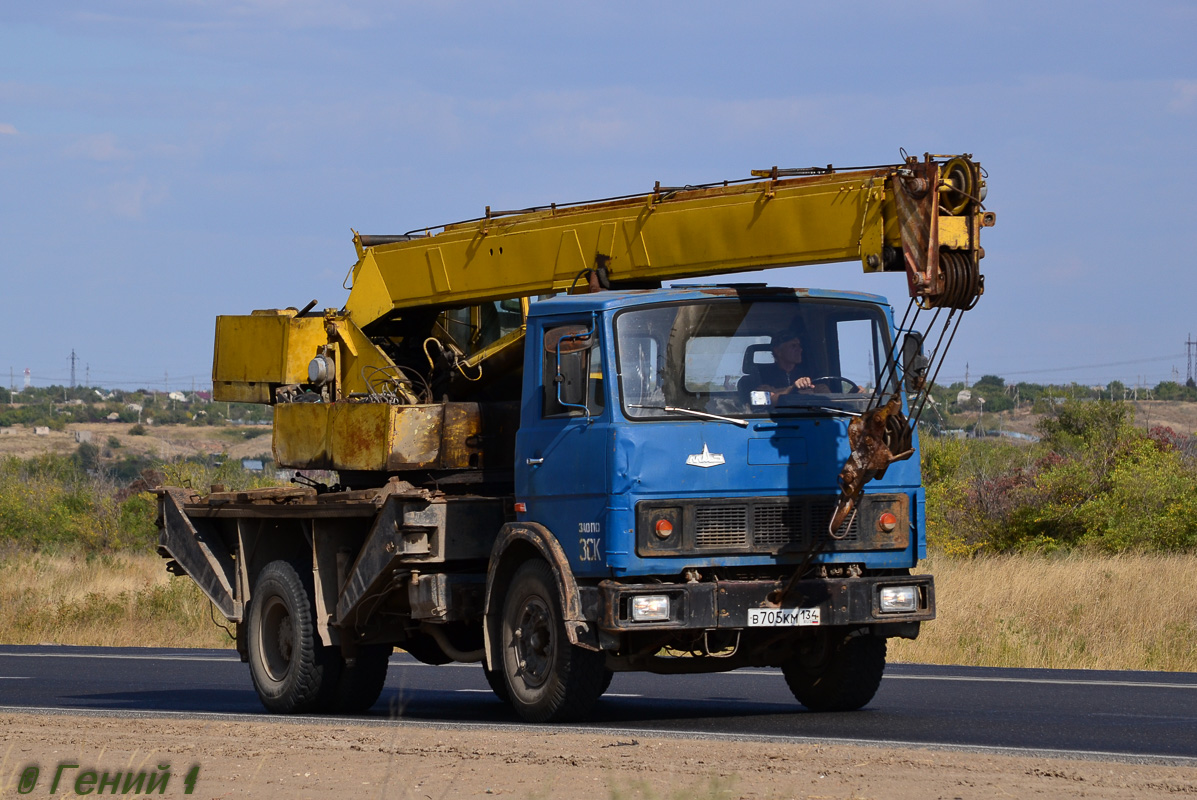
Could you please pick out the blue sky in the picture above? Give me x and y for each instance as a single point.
(165, 161)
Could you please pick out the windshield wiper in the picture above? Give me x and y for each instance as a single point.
(741, 422)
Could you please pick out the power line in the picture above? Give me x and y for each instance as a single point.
(1088, 366)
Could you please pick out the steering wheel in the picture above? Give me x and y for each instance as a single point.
(828, 379)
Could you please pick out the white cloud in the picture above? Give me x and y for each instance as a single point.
(1185, 98)
(101, 147)
(128, 199)
(8, 128)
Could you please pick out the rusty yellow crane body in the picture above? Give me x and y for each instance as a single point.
(922, 217)
(666, 234)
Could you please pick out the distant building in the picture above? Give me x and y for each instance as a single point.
(82, 436)
(41, 430)
(252, 464)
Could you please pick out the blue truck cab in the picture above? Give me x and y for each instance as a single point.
(689, 475)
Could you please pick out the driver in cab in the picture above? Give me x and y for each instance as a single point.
(785, 374)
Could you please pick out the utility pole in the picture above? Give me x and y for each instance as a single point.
(1190, 349)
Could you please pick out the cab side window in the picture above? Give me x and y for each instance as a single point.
(573, 372)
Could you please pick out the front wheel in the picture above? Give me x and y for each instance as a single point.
(291, 671)
(844, 679)
(547, 678)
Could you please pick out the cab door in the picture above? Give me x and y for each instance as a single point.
(561, 453)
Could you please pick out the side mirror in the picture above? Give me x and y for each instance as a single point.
(914, 364)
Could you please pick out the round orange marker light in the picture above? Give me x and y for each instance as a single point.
(887, 522)
(664, 528)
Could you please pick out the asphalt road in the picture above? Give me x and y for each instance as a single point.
(1074, 712)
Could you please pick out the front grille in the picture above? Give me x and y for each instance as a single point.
(764, 525)
(769, 525)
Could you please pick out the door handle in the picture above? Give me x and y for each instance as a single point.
(532, 462)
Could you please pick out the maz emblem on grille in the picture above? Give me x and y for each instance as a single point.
(705, 459)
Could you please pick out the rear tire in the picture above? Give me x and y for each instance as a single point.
(497, 683)
(547, 678)
(359, 686)
(292, 671)
(845, 680)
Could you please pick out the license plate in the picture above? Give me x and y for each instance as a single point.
(782, 617)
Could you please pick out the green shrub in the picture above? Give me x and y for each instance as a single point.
(52, 502)
(1094, 481)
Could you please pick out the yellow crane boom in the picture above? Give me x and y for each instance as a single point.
(887, 218)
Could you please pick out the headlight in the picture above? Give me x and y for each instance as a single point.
(650, 608)
(895, 599)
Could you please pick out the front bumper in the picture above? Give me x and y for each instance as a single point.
(725, 604)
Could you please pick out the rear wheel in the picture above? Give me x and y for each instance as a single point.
(291, 671)
(497, 683)
(547, 678)
(359, 686)
(845, 678)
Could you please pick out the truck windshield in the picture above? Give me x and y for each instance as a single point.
(738, 358)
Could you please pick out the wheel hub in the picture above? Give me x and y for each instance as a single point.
(534, 642)
(277, 638)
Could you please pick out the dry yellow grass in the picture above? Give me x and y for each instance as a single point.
(1077, 611)
(125, 600)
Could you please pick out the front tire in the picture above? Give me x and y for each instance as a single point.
(291, 670)
(845, 680)
(547, 678)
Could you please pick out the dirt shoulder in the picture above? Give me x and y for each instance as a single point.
(295, 760)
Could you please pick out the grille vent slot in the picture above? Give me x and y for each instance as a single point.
(721, 526)
(778, 525)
